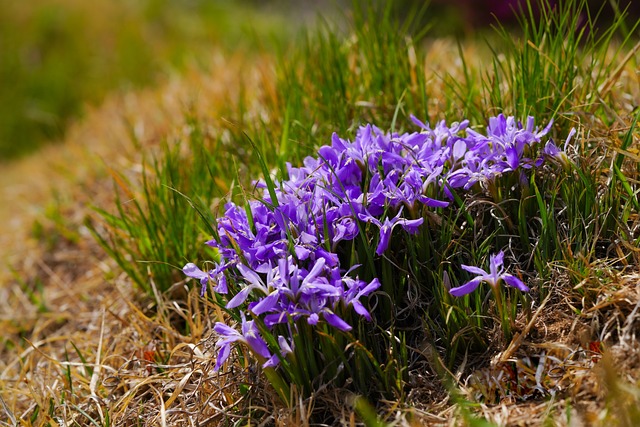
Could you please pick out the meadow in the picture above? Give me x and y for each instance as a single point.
(368, 223)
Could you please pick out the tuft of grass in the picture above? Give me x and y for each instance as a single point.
(335, 80)
(561, 66)
(154, 227)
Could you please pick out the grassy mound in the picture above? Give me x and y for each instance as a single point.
(100, 326)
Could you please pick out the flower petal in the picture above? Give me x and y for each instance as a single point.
(459, 148)
(193, 271)
(223, 355)
(360, 309)
(225, 330)
(433, 203)
(465, 289)
(313, 319)
(257, 344)
(513, 281)
(240, 297)
(267, 303)
(335, 321)
(474, 270)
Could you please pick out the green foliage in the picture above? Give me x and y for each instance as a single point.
(164, 223)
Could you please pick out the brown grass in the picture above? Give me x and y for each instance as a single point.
(61, 293)
(81, 347)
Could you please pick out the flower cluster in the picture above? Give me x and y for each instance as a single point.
(280, 257)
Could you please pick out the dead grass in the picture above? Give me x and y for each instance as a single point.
(81, 347)
(62, 300)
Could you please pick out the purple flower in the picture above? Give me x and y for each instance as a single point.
(250, 336)
(493, 278)
(410, 225)
(192, 270)
(357, 289)
(552, 151)
(283, 256)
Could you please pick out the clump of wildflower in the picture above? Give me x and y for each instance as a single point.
(280, 261)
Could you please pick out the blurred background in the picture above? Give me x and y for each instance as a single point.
(58, 56)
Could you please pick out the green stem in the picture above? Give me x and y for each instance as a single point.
(504, 322)
(281, 387)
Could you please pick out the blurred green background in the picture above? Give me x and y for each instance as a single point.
(58, 55)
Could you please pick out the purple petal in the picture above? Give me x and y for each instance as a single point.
(433, 203)
(272, 362)
(571, 134)
(415, 120)
(360, 309)
(285, 348)
(465, 289)
(512, 158)
(250, 275)
(459, 148)
(335, 321)
(302, 253)
(366, 217)
(267, 303)
(223, 355)
(550, 149)
(274, 319)
(372, 286)
(474, 270)
(515, 282)
(497, 260)
(546, 130)
(240, 297)
(257, 344)
(315, 271)
(411, 225)
(383, 244)
(225, 330)
(222, 288)
(313, 319)
(193, 271)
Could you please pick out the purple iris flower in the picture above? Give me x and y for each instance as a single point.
(493, 278)
(386, 228)
(552, 151)
(358, 289)
(192, 270)
(250, 336)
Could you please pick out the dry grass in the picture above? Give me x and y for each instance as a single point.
(81, 347)
(63, 300)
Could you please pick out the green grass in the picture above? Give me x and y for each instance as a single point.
(566, 216)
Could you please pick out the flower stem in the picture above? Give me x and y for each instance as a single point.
(505, 322)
